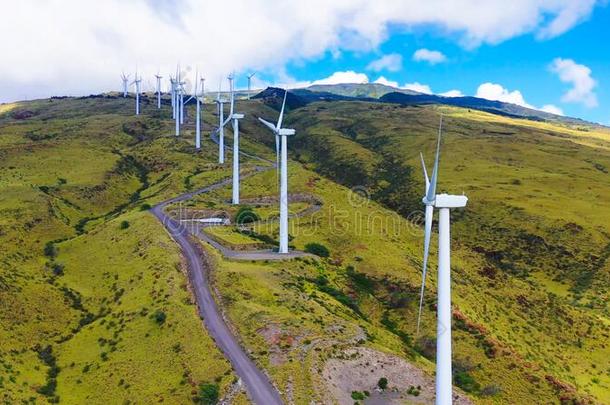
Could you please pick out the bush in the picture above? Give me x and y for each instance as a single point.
(382, 383)
(50, 250)
(124, 225)
(358, 396)
(159, 317)
(58, 269)
(317, 249)
(466, 382)
(246, 215)
(145, 207)
(208, 394)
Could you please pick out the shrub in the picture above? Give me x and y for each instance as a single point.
(246, 215)
(50, 250)
(208, 394)
(124, 225)
(382, 383)
(466, 382)
(159, 317)
(145, 207)
(317, 249)
(358, 396)
(58, 269)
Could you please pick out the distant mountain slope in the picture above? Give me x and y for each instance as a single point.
(360, 90)
(389, 94)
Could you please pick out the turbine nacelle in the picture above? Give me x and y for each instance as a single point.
(450, 201)
(286, 132)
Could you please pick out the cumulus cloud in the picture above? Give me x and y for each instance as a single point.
(383, 80)
(579, 76)
(496, 92)
(344, 77)
(65, 47)
(452, 93)
(553, 109)
(493, 91)
(426, 55)
(391, 62)
(415, 86)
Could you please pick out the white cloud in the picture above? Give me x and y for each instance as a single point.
(415, 86)
(63, 47)
(452, 93)
(553, 109)
(344, 77)
(493, 91)
(579, 76)
(426, 55)
(383, 80)
(391, 62)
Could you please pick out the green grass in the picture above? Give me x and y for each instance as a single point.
(71, 175)
(529, 261)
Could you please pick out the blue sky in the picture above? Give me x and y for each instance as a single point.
(545, 54)
(519, 64)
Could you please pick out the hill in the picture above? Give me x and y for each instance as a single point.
(384, 93)
(530, 265)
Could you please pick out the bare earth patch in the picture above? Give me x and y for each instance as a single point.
(360, 370)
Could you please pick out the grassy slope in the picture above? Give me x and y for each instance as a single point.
(365, 293)
(74, 172)
(531, 249)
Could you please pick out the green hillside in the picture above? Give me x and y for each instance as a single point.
(103, 313)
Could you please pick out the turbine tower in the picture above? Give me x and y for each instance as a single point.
(137, 82)
(444, 203)
(125, 79)
(172, 90)
(199, 100)
(235, 117)
(250, 76)
(159, 77)
(282, 134)
(221, 124)
(198, 124)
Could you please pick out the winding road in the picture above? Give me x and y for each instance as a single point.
(259, 388)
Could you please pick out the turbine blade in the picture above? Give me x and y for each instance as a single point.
(431, 194)
(427, 235)
(279, 121)
(267, 124)
(423, 165)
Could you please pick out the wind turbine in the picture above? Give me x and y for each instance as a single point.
(159, 77)
(125, 79)
(235, 117)
(137, 82)
(444, 203)
(199, 100)
(250, 76)
(172, 90)
(221, 124)
(282, 134)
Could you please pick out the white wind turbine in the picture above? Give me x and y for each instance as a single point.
(221, 123)
(137, 82)
(125, 79)
(282, 134)
(199, 99)
(159, 77)
(250, 76)
(444, 203)
(235, 117)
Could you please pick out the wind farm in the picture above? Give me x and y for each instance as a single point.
(250, 225)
